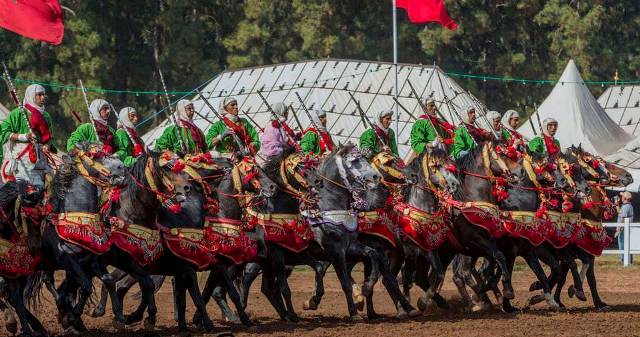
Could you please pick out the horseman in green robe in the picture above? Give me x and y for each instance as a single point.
(185, 137)
(547, 144)
(425, 136)
(99, 110)
(221, 134)
(129, 145)
(381, 137)
(316, 140)
(467, 135)
(22, 148)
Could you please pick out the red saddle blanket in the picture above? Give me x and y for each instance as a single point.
(484, 215)
(427, 230)
(15, 259)
(86, 230)
(592, 237)
(287, 230)
(192, 245)
(231, 241)
(142, 243)
(376, 223)
(564, 227)
(525, 224)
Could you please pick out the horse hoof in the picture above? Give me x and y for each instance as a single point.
(535, 286)
(603, 306)
(373, 317)
(132, 319)
(208, 326)
(536, 299)
(571, 291)
(481, 307)
(293, 318)
(422, 304)
(581, 295)
(97, 312)
(310, 304)
(356, 318)
(402, 314)
(118, 325)
(359, 302)
(414, 313)
(150, 323)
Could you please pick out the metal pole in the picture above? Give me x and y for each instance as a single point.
(395, 65)
(627, 241)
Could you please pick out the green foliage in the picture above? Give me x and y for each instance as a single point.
(112, 44)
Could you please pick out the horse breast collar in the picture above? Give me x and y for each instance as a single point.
(288, 167)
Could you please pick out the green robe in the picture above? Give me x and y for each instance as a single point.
(462, 141)
(16, 123)
(537, 145)
(228, 144)
(169, 141)
(125, 147)
(84, 132)
(369, 140)
(422, 133)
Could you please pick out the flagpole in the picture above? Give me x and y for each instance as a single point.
(395, 66)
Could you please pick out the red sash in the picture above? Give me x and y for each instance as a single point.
(551, 146)
(448, 128)
(240, 130)
(104, 134)
(478, 134)
(137, 142)
(288, 131)
(196, 135)
(326, 143)
(382, 135)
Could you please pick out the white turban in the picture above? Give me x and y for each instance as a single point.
(315, 116)
(94, 110)
(280, 111)
(224, 102)
(492, 115)
(507, 117)
(30, 96)
(429, 101)
(181, 111)
(546, 122)
(123, 117)
(469, 109)
(382, 114)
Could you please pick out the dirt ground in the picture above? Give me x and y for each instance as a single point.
(618, 287)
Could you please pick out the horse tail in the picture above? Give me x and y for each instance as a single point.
(33, 289)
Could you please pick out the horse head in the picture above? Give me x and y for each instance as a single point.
(544, 170)
(22, 212)
(439, 170)
(97, 165)
(575, 175)
(390, 168)
(619, 177)
(502, 165)
(594, 167)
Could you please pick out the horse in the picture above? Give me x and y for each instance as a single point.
(75, 234)
(21, 214)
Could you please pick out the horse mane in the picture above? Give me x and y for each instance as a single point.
(465, 163)
(63, 178)
(272, 166)
(8, 193)
(342, 150)
(137, 171)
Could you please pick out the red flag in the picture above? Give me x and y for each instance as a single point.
(423, 11)
(35, 19)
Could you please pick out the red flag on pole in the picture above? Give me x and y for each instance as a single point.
(423, 11)
(35, 19)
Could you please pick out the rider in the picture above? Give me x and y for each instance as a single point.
(510, 121)
(129, 145)
(189, 136)
(499, 133)
(467, 135)
(277, 135)
(423, 133)
(318, 141)
(381, 131)
(220, 135)
(547, 143)
(15, 134)
(99, 110)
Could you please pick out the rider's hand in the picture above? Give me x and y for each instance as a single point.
(386, 149)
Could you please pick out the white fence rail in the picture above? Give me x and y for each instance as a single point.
(631, 244)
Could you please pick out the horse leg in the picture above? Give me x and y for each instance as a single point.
(191, 283)
(320, 269)
(591, 280)
(10, 322)
(99, 309)
(268, 288)
(147, 289)
(180, 302)
(534, 264)
(340, 266)
(408, 275)
(16, 299)
(79, 277)
(577, 287)
(436, 278)
(231, 290)
(100, 270)
(214, 289)
(251, 272)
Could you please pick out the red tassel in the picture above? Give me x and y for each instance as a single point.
(448, 141)
(175, 208)
(538, 169)
(588, 205)
(595, 163)
(553, 203)
(106, 149)
(540, 213)
(275, 124)
(249, 177)
(452, 168)
(178, 166)
(401, 164)
(567, 206)
(115, 195)
(137, 149)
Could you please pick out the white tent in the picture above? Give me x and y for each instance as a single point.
(622, 104)
(325, 84)
(581, 120)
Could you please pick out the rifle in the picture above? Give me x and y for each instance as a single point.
(422, 106)
(86, 101)
(306, 111)
(296, 118)
(172, 117)
(535, 107)
(365, 120)
(253, 121)
(25, 115)
(235, 137)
